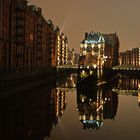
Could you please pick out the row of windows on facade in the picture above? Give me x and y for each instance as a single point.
(131, 57)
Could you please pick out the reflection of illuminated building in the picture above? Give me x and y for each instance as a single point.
(95, 106)
(60, 101)
(139, 99)
(90, 111)
(70, 82)
(60, 92)
(128, 85)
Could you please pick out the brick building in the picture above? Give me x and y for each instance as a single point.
(4, 35)
(62, 50)
(130, 57)
(28, 42)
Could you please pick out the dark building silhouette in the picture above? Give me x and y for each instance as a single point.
(33, 115)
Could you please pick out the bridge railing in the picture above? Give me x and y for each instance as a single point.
(67, 67)
(126, 67)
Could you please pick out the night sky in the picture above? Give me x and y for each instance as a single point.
(75, 17)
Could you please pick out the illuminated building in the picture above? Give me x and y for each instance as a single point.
(122, 58)
(62, 50)
(99, 50)
(73, 57)
(55, 46)
(92, 50)
(130, 57)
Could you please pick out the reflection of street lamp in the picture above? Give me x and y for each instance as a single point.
(138, 86)
(95, 66)
(83, 98)
(139, 99)
(83, 74)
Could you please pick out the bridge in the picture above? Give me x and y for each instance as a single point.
(119, 67)
(133, 92)
(127, 67)
(67, 67)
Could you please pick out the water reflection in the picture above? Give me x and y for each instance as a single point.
(96, 105)
(30, 117)
(128, 85)
(35, 114)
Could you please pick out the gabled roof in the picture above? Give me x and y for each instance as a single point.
(93, 38)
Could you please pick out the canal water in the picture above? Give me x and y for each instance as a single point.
(65, 112)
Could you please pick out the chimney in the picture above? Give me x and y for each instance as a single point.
(86, 34)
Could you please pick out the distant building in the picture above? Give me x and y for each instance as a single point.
(73, 57)
(99, 50)
(76, 58)
(62, 50)
(112, 45)
(130, 57)
(92, 50)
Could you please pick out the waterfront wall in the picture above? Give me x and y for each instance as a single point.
(24, 81)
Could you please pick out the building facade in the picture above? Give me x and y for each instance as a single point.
(62, 50)
(130, 57)
(92, 50)
(28, 42)
(99, 50)
(111, 49)
(4, 34)
(73, 57)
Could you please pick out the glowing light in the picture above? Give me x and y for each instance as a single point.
(138, 86)
(91, 117)
(91, 72)
(83, 100)
(84, 117)
(95, 66)
(139, 97)
(83, 72)
(91, 41)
